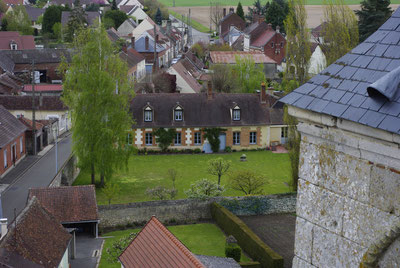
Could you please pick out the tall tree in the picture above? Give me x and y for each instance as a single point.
(77, 20)
(117, 17)
(340, 31)
(372, 15)
(256, 9)
(18, 20)
(51, 16)
(97, 91)
(158, 17)
(222, 79)
(248, 75)
(216, 15)
(114, 5)
(239, 10)
(298, 46)
(276, 12)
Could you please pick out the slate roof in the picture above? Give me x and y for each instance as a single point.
(218, 262)
(113, 34)
(229, 57)
(132, 57)
(156, 247)
(48, 103)
(199, 111)
(34, 12)
(46, 55)
(22, 41)
(10, 127)
(341, 89)
(68, 204)
(91, 16)
(140, 45)
(37, 240)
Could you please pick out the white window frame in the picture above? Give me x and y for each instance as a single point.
(197, 138)
(236, 114)
(178, 136)
(178, 115)
(236, 138)
(253, 137)
(148, 115)
(14, 47)
(5, 158)
(148, 138)
(284, 132)
(21, 148)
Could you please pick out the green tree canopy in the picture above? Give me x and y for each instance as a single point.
(372, 15)
(248, 75)
(276, 13)
(18, 20)
(116, 16)
(158, 17)
(97, 91)
(76, 22)
(51, 16)
(239, 11)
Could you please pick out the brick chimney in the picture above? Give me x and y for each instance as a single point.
(269, 27)
(209, 91)
(263, 93)
(4, 230)
(231, 10)
(133, 42)
(278, 29)
(224, 11)
(146, 43)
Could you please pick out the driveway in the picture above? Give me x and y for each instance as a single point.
(88, 251)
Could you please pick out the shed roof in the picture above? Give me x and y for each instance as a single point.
(46, 55)
(341, 89)
(24, 103)
(229, 57)
(155, 246)
(10, 127)
(43, 87)
(68, 204)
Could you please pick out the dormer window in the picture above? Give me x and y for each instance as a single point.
(148, 114)
(236, 114)
(178, 113)
(13, 45)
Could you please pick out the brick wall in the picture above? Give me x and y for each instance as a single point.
(19, 155)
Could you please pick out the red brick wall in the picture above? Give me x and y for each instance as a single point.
(9, 153)
(232, 20)
(51, 69)
(276, 53)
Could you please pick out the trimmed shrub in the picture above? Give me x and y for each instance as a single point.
(233, 251)
(246, 238)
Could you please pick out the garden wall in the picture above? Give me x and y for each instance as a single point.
(190, 210)
(67, 173)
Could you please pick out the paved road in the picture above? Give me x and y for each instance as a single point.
(38, 175)
(197, 35)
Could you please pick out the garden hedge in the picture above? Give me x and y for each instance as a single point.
(245, 237)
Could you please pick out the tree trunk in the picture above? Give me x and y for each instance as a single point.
(219, 181)
(93, 174)
(102, 179)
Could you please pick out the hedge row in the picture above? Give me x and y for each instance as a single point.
(246, 238)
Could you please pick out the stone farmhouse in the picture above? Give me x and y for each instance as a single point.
(250, 120)
(348, 205)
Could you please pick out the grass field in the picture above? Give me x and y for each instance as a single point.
(150, 171)
(234, 3)
(202, 239)
(195, 24)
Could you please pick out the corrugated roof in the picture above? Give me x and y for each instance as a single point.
(156, 247)
(10, 127)
(229, 57)
(341, 89)
(68, 203)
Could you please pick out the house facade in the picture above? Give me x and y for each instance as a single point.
(249, 121)
(12, 141)
(230, 20)
(348, 205)
(15, 41)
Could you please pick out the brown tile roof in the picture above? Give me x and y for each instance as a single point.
(37, 237)
(22, 41)
(68, 204)
(48, 103)
(316, 32)
(229, 57)
(199, 111)
(113, 34)
(156, 247)
(194, 59)
(29, 124)
(10, 127)
(132, 57)
(187, 76)
(43, 87)
(10, 84)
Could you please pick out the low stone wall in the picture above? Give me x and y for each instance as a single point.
(190, 210)
(67, 174)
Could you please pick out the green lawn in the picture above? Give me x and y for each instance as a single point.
(195, 24)
(150, 171)
(203, 239)
(234, 3)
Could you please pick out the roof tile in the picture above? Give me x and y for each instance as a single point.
(379, 63)
(346, 97)
(304, 101)
(392, 108)
(357, 100)
(334, 95)
(372, 118)
(319, 92)
(378, 50)
(362, 48)
(390, 123)
(317, 105)
(332, 69)
(373, 104)
(335, 109)
(393, 52)
(391, 24)
(377, 36)
(305, 88)
(347, 59)
(362, 61)
(391, 38)
(353, 113)
(347, 72)
(392, 65)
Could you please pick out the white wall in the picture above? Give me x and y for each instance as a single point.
(317, 61)
(64, 261)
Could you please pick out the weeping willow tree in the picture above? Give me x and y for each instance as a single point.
(340, 30)
(97, 92)
(298, 54)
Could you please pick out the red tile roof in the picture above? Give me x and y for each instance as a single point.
(263, 38)
(43, 87)
(229, 57)
(68, 204)
(28, 123)
(23, 41)
(156, 247)
(13, 2)
(36, 237)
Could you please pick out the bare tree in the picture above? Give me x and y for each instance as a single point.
(216, 14)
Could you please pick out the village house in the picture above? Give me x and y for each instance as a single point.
(34, 239)
(230, 20)
(127, 27)
(15, 41)
(71, 206)
(34, 13)
(71, 3)
(185, 80)
(250, 121)
(47, 108)
(12, 141)
(10, 84)
(147, 46)
(134, 11)
(40, 140)
(121, 3)
(145, 251)
(43, 89)
(348, 206)
(136, 63)
(90, 16)
(259, 58)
